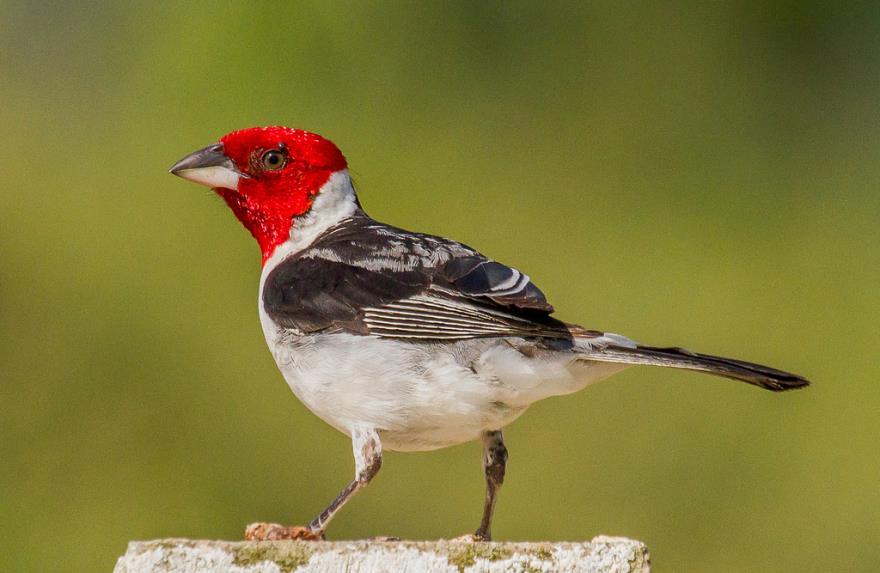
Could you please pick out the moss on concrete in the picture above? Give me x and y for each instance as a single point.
(464, 554)
(288, 555)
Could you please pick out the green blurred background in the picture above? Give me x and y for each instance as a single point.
(704, 176)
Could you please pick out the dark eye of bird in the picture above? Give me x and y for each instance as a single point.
(273, 160)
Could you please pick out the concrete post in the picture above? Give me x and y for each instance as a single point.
(602, 554)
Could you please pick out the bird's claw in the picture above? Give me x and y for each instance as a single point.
(275, 532)
(473, 538)
(383, 538)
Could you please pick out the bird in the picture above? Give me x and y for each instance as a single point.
(404, 341)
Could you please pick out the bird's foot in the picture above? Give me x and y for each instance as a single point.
(477, 537)
(274, 532)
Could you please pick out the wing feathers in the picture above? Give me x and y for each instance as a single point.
(476, 276)
(438, 313)
(368, 278)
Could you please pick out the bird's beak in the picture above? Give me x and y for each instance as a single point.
(209, 166)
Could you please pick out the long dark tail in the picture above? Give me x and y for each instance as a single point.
(763, 376)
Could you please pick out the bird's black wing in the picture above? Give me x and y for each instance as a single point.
(477, 277)
(367, 278)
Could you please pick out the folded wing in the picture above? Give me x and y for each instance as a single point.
(405, 285)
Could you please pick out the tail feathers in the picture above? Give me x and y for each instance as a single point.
(763, 376)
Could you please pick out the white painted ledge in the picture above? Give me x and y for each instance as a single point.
(601, 555)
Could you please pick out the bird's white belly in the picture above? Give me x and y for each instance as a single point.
(420, 396)
(415, 398)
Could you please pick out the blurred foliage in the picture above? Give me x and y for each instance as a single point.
(701, 175)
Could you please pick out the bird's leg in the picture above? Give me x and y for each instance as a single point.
(494, 464)
(368, 459)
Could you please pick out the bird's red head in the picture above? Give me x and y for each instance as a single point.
(267, 175)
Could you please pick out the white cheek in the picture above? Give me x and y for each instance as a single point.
(214, 177)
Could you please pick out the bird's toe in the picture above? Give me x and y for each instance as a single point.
(472, 538)
(275, 532)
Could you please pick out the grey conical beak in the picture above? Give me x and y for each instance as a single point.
(209, 166)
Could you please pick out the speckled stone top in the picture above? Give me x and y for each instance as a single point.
(602, 554)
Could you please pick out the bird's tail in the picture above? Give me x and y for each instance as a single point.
(763, 376)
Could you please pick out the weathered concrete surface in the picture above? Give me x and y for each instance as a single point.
(602, 554)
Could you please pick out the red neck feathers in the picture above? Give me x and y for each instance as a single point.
(267, 216)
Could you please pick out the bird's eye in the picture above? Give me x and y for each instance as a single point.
(273, 160)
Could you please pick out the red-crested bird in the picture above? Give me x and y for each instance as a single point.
(403, 340)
